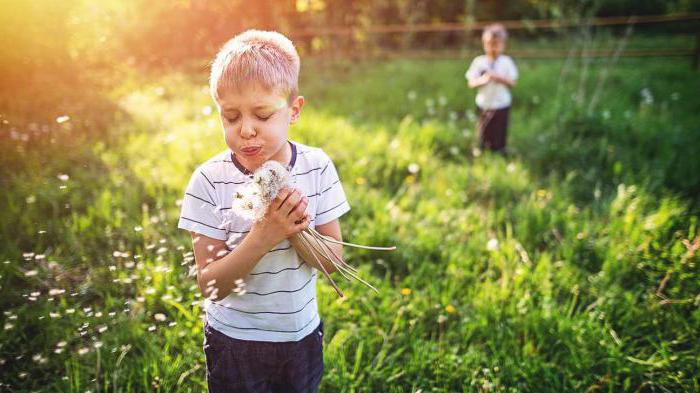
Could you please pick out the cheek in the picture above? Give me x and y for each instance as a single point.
(229, 135)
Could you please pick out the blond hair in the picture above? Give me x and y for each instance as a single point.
(495, 30)
(265, 57)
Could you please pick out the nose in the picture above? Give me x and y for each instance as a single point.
(247, 129)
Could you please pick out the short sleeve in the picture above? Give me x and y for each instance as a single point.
(200, 211)
(474, 70)
(332, 202)
(512, 69)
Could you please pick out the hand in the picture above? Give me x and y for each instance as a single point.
(285, 217)
(495, 77)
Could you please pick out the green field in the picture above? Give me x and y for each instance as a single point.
(566, 266)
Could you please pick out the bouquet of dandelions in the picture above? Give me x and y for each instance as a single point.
(252, 202)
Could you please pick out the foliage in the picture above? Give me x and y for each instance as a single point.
(566, 266)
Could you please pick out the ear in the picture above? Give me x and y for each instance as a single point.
(295, 108)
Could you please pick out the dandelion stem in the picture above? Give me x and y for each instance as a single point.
(322, 238)
(339, 263)
(358, 245)
(309, 250)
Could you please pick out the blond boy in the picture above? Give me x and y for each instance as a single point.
(262, 331)
(493, 74)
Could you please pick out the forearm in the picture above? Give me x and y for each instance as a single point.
(218, 278)
(478, 82)
(505, 81)
(314, 257)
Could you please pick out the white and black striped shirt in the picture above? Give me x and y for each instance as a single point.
(279, 303)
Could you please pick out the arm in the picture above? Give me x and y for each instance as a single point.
(503, 80)
(479, 81)
(217, 269)
(330, 229)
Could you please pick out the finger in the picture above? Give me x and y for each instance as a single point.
(306, 216)
(291, 202)
(303, 224)
(281, 198)
(299, 210)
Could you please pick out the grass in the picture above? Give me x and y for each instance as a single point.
(586, 286)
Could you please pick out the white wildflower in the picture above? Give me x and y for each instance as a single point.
(492, 244)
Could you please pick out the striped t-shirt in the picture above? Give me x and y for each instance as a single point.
(278, 301)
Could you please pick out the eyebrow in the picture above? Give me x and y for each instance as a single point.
(255, 108)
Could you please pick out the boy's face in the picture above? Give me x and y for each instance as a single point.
(256, 124)
(493, 46)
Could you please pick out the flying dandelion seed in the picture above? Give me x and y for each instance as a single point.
(62, 119)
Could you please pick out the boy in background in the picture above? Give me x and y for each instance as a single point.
(263, 332)
(493, 74)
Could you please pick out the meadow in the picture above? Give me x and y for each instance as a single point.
(571, 264)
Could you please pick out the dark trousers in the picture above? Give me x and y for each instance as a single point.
(258, 366)
(493, 128)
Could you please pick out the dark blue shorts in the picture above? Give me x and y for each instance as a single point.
(258, 366)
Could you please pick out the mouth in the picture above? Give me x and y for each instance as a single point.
(251, 151)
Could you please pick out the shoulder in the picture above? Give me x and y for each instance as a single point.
(215, 165)
(309, 157)
(509, 60)
(479, 60)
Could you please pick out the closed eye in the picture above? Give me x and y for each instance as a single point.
(263, 117)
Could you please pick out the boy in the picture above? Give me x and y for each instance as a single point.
(262, 331)
(494, 74)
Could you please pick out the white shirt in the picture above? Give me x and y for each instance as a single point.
(493, 95)
(279, 303)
